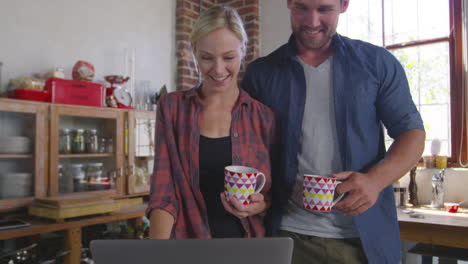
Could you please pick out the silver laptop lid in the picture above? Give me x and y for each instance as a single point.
(277, 250)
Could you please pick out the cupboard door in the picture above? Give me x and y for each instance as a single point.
(86, 150)
(23, 152)
(140, 157)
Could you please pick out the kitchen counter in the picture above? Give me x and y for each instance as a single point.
(436, 227)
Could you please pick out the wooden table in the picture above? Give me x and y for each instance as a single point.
(437, 227)
(72, 228)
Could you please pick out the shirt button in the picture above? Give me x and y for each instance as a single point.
(236, 134)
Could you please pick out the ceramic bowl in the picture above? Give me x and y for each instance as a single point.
(451, 207)
(15, 145)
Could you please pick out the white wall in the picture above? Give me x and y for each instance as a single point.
(455, 185)
(275, 26)
(36, 36)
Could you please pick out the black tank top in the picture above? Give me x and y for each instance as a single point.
(215, 154)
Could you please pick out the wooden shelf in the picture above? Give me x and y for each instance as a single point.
(72, 228)
(15, 156)
(39, 226)
(86, 155)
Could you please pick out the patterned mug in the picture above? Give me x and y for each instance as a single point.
(319, 193)
(241, 182)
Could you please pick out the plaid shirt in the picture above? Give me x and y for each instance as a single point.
(175, 180)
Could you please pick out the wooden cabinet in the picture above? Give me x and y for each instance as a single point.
(141, 129)
(121, 168)
(84, 170)
(23, 152)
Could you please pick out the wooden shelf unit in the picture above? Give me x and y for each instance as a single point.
(72, 228)
(41, 122)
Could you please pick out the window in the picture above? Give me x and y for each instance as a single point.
(425, 36)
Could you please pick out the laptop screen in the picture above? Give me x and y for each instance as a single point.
(276, 250)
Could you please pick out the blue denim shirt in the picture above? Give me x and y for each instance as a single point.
(370, 90)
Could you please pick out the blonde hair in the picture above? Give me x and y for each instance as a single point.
(217, 17)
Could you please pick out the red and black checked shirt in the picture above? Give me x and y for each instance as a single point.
(175, 180)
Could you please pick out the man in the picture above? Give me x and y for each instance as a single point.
(332, 95)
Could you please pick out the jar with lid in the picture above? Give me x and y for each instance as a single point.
(94, 171)
(79, 177)
(91, 141)
(59, 72)
(95, 175)
(65, 142)
(102, 145)
(110, 145)
(78, 143)
(65, 180)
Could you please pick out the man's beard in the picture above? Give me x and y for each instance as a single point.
(313, 43)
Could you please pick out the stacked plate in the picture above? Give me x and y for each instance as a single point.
(15, 145)
(16, 185)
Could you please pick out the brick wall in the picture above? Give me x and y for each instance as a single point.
(187, 11)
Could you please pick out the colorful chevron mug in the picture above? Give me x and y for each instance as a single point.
(319, 193)
(242, 181)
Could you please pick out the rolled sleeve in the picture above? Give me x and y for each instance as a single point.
(395, 106)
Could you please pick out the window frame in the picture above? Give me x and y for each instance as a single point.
(457, 104)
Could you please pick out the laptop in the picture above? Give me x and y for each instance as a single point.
(274, 250)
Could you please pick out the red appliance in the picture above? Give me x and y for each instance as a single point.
(75, 92)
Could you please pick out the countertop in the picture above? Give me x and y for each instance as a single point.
(435, 227)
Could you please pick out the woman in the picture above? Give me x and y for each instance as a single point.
(202, 130)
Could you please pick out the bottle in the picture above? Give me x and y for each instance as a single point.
(438, 189)
(78, 144)
(413, 188)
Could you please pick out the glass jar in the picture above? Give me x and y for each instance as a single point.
(110, 145)
(91, 141)
(78, 175)
(78, 143)
(95, 175)
(65, 142)
(94, 171)
(65, 180)
(102, 145)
